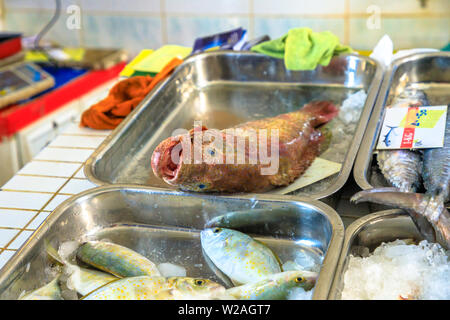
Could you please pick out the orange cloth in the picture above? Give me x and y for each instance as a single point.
(122, 99)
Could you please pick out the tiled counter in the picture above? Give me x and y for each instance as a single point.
(53, 176)
(56, 174)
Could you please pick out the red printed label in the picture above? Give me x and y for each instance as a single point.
(408, 138)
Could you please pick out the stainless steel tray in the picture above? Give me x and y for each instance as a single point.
(370, 231)
(225, 88)
(429, 72)
(164, 226)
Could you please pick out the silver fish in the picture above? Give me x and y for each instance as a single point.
(431, 205)
(436, 168)
(238, 255)
(402, 168)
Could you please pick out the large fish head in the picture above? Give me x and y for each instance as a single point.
(186, 288)
(224, 247)
(186, 161)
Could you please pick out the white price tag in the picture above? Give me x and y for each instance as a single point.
(413, 128)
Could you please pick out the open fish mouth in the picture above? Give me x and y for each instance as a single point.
(167, 159)
(170, 168)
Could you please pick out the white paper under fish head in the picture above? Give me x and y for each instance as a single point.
(383, 51)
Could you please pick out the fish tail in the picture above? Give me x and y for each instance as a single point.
(419, 206)
(323, 111)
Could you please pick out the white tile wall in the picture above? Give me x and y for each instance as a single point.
(31, 183)
(401, 6)
(6, 235)
(135, 6)
(75, 129)
(64, 154)
(184, 30)
(77, 141)
(20, 240)
(15, 218)
(56, 169)
(30, 196)
(38, 220)
(289, 7)
(75, 186)
(56, 201)
(207, 7)
(44, 4)
(22, 200)
(80, 174)
(5, 256)
(149, 24)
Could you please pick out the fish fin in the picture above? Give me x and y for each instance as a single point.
(274, 254)
(236, 283)
(222, 276)
(94, 290)
(53, 254)
(391, 197)
(327, 135)
(323, 111)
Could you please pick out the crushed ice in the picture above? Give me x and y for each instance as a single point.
(171, 270)
(398, 270)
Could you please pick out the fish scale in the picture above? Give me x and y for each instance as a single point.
(402, 168)
(436, 167)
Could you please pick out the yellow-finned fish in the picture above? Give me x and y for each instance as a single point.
(274, 287)
(80, 279)
(116, 259)
(157, 288)
(51, 291)
(238, 255)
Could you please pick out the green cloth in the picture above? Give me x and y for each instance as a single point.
(303, 49)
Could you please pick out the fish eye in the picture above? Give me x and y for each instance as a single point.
(201, 186)
(299, 279)
(199, 282)
(216, 230)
